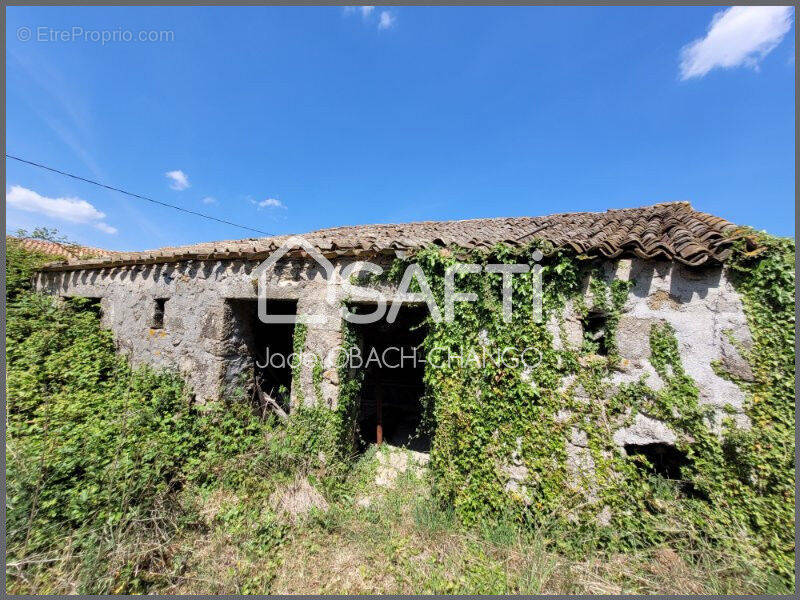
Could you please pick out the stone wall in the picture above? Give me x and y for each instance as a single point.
(709, 324)
(201, 339)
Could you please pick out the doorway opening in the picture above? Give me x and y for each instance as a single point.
(391, 404)
(269, 346)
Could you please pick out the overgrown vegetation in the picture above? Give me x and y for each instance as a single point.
(491, 419)
(764, 456)
(401, 540)
(117, 482)
(104, 462)
(20, 264)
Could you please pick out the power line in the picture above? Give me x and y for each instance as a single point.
(139, 196)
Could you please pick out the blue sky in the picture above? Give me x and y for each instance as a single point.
(294, 119)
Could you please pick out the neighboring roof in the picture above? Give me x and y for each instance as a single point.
(68, 251)
(669, 231)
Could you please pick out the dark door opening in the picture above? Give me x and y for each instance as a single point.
(391, 408)
(270, 346)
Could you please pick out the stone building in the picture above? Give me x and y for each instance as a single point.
(194, 308)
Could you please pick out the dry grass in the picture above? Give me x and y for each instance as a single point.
(401, 544)
(397, 543)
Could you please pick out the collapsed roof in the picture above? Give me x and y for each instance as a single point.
(667, 231)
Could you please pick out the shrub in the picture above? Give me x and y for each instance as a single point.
(96, 448)
(98, 452)
(92, 444)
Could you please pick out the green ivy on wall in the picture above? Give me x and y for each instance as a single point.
(316, 379)
(316, 430)
(491, 421)
(350, 381)
(763, 268)
(298, 349)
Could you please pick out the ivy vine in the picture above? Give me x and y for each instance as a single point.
(490, 421)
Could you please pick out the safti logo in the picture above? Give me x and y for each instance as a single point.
(403, 295)
(293, 243)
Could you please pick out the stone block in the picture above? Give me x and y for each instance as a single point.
(645, 430)
(633, 337)
(732, 360)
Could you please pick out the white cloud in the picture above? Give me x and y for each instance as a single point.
(209, 200)
(364, 10)
(180, 181)
(386, 21)
(106, 228)
(269, 203)
(741, 35)
(73, 210)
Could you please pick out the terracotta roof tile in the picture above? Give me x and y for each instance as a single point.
(68, 251)
(669, 231)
